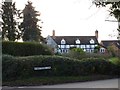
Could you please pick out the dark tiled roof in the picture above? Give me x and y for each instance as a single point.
(107, 43)
(70, 40)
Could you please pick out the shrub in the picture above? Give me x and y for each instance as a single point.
(76, 53)
(24, 48)
(22, 67)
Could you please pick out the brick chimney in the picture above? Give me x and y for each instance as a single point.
(53, 34)
(96, 34)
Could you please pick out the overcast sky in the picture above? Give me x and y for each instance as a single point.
(73, 18)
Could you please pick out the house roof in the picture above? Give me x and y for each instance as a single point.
(108, 43)
(70, 40)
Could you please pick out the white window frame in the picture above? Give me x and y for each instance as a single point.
(63, 41)
(77, 41)
(92, 41)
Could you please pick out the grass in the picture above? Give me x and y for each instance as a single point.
(37, 81)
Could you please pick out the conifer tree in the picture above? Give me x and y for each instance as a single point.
(29, 28)
(9, 26)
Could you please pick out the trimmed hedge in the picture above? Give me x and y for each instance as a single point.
(24, 48)
(22, 67)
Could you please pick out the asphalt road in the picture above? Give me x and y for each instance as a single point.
(111, 84)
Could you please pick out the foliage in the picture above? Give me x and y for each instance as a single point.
(29, 28)
(114, 8)
(111, 51)
(78, 50)
(25, 48)
(23, 67)
(9, 26)
(97, 49)
(76, 53)
(115, 60)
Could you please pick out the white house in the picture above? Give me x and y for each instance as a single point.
(62, 44)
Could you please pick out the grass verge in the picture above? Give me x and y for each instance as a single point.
(38, 81)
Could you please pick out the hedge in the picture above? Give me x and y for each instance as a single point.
(23, 67)
(25, 48)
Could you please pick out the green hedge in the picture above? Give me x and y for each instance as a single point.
(24, 48)
(20, 67)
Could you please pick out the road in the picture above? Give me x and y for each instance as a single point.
(111, 83)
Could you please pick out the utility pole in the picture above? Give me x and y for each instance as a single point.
(1, 11)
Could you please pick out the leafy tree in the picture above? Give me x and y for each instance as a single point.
(9, 26)
(114, 8)
(78, 50)
(29, 28)
(97, 49)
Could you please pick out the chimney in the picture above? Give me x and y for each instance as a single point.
(96, 34)
(53, 34)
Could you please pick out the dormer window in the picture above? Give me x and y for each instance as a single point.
(92, 41)
(63, 41)
(77, 41)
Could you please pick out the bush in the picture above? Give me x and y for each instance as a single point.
(76, 53)
(22, 67)
(24, 48)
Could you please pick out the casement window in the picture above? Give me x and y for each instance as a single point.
(67, 46)
(87, 46)
(82, 46)
(102, 50)
(92, 46)
(63, 46)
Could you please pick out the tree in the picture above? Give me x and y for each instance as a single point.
(29, 28)
(114, 9)
(9, 26)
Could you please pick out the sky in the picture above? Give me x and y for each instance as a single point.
(73, 18)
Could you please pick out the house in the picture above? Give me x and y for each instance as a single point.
(62, 44)
(115, 44)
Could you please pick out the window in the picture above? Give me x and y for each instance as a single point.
(87, 46)
(71, 45)
(58, 46)
(67, 46)
(63, 46)
(102, 50)
(92, 41)
(82, 46)
(92, 46)
(78, 46)
(63, 41)
(77, 41)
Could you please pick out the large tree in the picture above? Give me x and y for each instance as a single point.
(31, 31)
(114, 9)
(9, 26)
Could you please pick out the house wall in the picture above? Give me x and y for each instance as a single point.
(51, 43)
(87, 48)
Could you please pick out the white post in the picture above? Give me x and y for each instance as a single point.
(118, 37)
